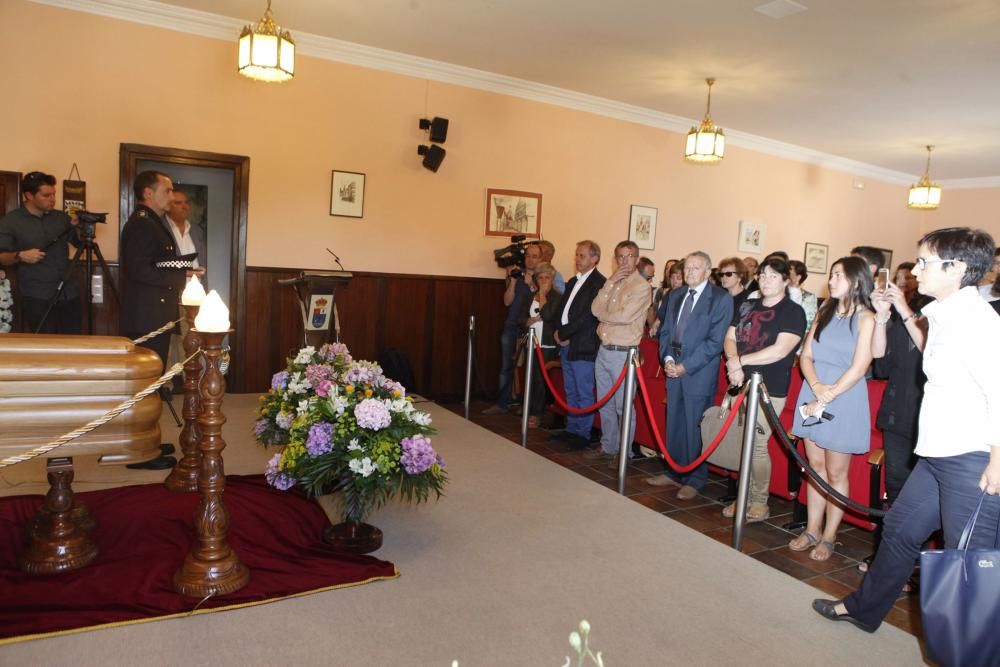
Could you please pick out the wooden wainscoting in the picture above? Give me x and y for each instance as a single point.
(425, 317)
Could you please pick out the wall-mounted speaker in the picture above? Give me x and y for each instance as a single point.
(438, 128)
(433, 156)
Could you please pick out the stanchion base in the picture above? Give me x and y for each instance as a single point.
(353, 537)
(46, 554)
(184, 477)
(200, 579)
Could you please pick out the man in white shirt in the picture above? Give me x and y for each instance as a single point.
(190, 238)
(959, 436)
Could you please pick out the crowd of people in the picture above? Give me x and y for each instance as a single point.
(931, 329)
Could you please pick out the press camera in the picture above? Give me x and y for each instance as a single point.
(512, 255)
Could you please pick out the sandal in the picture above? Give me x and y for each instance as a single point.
(830, 547)
(798, 545)
(755, 513)
(865, 563)
(729, 511)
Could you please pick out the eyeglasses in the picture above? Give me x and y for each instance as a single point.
(727, 274)
(922, 262)
(623, 257)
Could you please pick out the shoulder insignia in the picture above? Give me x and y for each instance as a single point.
(141, 213)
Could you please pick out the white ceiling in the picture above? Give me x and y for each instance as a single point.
(868, 80)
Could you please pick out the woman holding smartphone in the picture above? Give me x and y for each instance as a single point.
(836, 354)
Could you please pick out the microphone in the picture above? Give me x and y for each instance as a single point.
(825, 416)
(336, 259)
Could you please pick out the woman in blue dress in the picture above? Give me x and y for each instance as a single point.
(833, 418)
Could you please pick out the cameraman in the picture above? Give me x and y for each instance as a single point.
(520, 287)
(35, 237)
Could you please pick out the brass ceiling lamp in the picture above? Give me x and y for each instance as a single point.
(706, 143)
(925, 194)
(267, 53)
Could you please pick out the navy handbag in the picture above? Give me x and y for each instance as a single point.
(960, 601)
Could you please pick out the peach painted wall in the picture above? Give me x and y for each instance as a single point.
(974, 207)
(139, 84)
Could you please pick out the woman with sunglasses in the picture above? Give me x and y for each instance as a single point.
(733, 277)
(835, 357)
(958, 441)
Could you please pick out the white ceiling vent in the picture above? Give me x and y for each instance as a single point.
(780, 9)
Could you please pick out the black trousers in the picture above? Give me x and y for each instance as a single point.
(899, 462)
(66, 316)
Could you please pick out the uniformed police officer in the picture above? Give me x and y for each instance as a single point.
(150, 293)
(34, 238)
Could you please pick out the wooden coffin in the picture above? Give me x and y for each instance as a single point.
(51, 385)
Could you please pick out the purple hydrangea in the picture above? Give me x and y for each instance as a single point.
(372, 414)
(364, 372)
(320, 439)
(317, 373)
(280, 381)
(391, 386)
(259, 427)
(322, 388)
(278, 478)
(284, 419)
(331, 351)
(418, 455)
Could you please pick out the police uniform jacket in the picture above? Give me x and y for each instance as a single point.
(150, 294)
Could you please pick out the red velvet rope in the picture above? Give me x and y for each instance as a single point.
(562, 403)
(659, 439)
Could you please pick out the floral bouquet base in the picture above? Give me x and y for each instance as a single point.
(353, 537)
(345, 428)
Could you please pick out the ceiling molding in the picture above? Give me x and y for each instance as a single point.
(970, 183)
(191, 21)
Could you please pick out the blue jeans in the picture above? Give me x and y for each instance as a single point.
(606, 370)
(578, 378)
(508, 344)
(940, 493)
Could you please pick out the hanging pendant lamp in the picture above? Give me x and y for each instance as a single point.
(706, 143)
(925, 194)
(266, 52)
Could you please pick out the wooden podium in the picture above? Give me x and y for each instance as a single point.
(317, 294)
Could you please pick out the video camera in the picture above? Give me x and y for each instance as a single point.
(88, 220)
(512, 255)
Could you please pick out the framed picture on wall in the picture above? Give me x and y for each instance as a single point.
(513, 213)
(642, 226)
(751, 237)
(347, 194)
(815, 257)
(887, 255)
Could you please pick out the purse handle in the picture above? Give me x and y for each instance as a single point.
(970, 526)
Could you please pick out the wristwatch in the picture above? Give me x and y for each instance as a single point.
(17, 257)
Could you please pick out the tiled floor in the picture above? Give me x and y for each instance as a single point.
(765, 541)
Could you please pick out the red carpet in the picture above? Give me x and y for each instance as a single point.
(144, 532)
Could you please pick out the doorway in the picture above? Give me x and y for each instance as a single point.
(220, 184)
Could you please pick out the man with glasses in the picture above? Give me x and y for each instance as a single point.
(620, 307)
(694, 326)
(34, 237)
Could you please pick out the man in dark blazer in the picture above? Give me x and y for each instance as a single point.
(691, 334)
(150, 293)
(578, 342)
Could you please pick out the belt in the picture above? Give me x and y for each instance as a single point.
(619, 348)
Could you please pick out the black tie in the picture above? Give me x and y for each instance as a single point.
(685, 316)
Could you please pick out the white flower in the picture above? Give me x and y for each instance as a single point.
(298, 384)
(339, 404)
(303, 406)
(400, 405)
(363, 467)
(305, 355)
(421, 418)
(353, 445)
(574, 641)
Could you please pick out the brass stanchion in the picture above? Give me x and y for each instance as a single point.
(184, 477)
(212, 567)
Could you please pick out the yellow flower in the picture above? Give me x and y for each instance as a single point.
(368, 393)
(395, 393)
(349, 389)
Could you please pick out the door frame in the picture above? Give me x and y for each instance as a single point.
(128, 158)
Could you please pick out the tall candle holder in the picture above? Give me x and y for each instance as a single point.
(212, 567)
(184, 477)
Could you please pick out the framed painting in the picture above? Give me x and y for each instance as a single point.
(751, 237)
(347, 194)
(815, 257)
(513, 213)
(642, 226)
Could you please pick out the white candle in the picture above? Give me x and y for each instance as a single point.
(213, 316)
(193, 293)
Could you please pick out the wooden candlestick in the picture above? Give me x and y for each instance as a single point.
(184, 477)
(212, 567)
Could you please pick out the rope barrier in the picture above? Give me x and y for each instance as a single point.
(779, 429)
(100, 421)
(563, 404)
(153, 334)
(708, 450)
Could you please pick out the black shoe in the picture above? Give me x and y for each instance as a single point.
(159, 463)
(561, 436)
(825, 608)
(595, 435)
(577, 443)
(166, 449)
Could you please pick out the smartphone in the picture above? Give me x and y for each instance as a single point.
(882, 279)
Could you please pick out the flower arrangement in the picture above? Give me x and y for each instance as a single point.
(346, 427)
(6, 304)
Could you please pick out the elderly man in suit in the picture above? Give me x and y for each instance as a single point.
(578, 342)
(694, 326)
